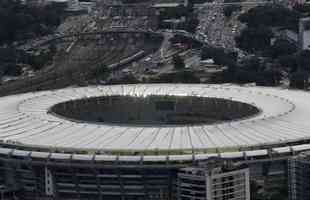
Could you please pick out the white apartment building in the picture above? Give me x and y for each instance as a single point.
(219, 183)
(304, 33)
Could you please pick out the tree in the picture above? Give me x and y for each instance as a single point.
(269, 77)
(191, 23)
(243, 76)
(207, 53)
(230, 9)
(303, 8)
(39, 60)
(252, 64)
(176, 77)
(220, 56)
(127, 79)
(289, 61)
(254, 39)
(251, 69)
(52, 50)
(303, 60)
(185, 77)
(190, 6)
(254, 188)
(271, 16)
(178, 62)
(282, 47)
(19, 21)
(101, 71)
(11, 69)
(299, 79)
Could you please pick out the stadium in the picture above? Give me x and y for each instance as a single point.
(128, 141)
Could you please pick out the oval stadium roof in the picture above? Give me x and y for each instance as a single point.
(25, 120)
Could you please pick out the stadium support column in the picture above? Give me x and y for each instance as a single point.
(292, 179)
(145, 184)
(75, 180)
(247, 184)
(49, 187)
(208, 187)
(98, 182)
(121, 181)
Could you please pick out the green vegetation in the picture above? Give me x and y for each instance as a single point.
(298, 64)
(178, 62)
(282, 47)
(100, 72)
(251, 69)
(39, 60)
(260, 21)
(271, 60)
(299, 79)
(271, 16)
(304, 9)
(279, 193)
(127, 79)
(11, 60)
(191, 23)
(253, 39)
(230, 9)
(303, 60)
(180, 76)
(20, 22)
(256, 70)
(219, 55)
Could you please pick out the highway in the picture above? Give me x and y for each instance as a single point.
(221, 4)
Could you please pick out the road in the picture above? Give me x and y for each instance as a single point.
(221, 4)
(212, 23)
(220, 30)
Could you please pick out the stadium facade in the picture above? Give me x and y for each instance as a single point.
(50, 150)
(221, 182)
(299, 177)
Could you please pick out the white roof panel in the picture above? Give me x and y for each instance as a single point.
(37, 154)
(261, 152)
(61, 156)
(301, 147)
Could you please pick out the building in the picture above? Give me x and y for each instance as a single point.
(304, 33)
(174, 11)
(164, 4)
(40, 3)
(223, 182)
(299, 177)
(70, 6)
(293, 3)
(33, 2)
(130, 141)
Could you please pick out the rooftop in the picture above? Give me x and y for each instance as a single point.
(26, 120)
(166, 5)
